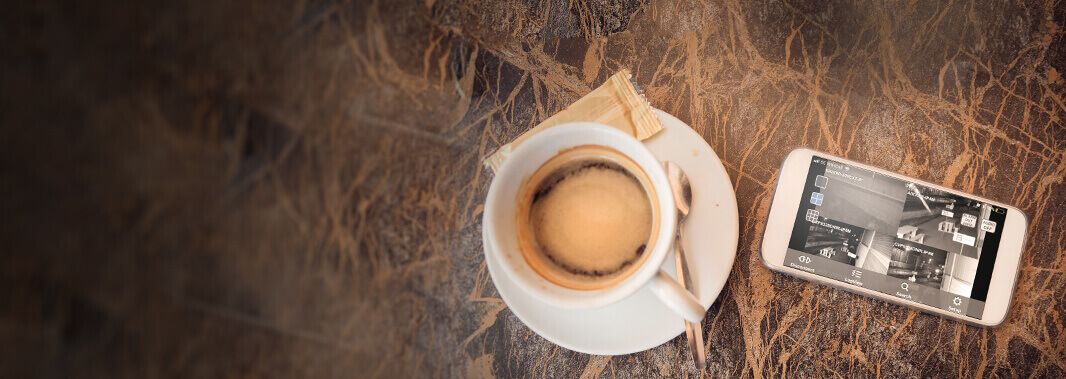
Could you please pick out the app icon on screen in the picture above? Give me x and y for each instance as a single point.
(812, 215)
(820, 181)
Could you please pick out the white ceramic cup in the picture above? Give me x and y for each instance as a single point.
(501, 207)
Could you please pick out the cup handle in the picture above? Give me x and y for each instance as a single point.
(676, 297)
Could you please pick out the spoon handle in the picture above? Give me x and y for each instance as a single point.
(693, 330)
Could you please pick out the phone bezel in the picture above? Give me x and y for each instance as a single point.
(786, 201)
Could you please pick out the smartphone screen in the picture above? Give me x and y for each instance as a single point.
(896, 237)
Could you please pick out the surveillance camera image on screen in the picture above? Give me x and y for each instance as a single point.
(918, 264)
(834, 240)
(912, 241)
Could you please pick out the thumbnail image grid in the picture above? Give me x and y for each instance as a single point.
(896, 228)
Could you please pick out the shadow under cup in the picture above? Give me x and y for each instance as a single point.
(587, 218)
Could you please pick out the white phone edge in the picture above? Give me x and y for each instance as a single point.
(782, 214)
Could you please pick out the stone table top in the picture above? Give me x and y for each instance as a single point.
(277, 188)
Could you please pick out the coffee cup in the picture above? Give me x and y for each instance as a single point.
(581, 215)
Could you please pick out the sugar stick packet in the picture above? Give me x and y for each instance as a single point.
(618, 102)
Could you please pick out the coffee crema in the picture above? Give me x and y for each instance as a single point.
(586, 218)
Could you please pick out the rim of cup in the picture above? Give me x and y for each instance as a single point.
(517, 167)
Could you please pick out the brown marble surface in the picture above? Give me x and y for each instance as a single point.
(281, 189)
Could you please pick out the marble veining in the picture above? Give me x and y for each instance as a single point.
(280, 189)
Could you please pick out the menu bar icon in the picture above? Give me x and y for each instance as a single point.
(902, 288)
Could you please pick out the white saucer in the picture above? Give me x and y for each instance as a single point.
(641, 321)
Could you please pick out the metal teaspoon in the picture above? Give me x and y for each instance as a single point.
(682, 190)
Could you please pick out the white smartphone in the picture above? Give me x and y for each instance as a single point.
(899, 239)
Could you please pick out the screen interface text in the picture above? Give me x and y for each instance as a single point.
(896, 237)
